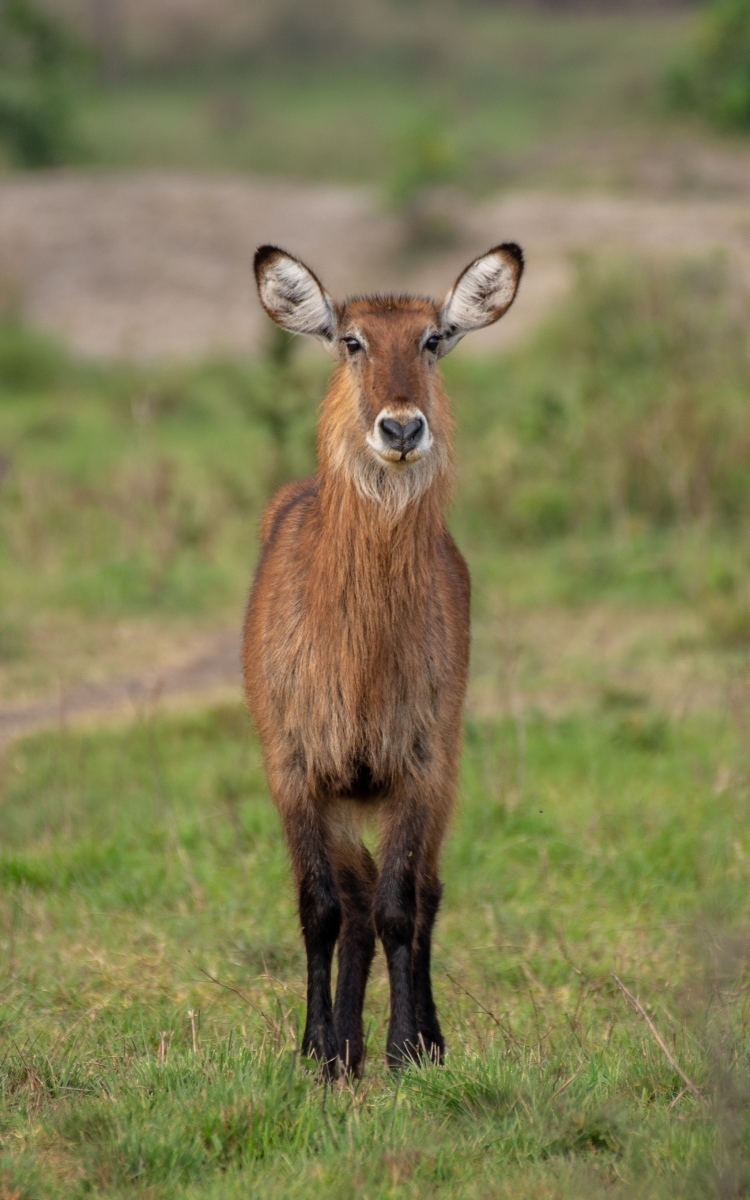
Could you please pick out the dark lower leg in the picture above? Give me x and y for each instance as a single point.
(430, 1036)
(356, 948)
(320, 917)
(395, 919)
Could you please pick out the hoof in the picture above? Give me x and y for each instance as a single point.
(321, 1049)
(403, 1053)
(328, 1069)
(351, 1059)
(432, 1049)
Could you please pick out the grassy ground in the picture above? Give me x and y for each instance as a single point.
(611, 843)
(151, 976)
(497, 88)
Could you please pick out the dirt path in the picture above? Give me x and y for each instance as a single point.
(552, 660)
(213, 674)
(153, 265)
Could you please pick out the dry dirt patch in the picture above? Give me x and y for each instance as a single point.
(553, 660)
(159, 265)
(116, 672)
(558, 660)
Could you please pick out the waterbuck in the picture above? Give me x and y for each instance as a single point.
(357, 643)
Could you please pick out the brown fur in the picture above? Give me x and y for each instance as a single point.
(356, 653)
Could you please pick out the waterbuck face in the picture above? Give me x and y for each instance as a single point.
(388, 348)
(386, 416)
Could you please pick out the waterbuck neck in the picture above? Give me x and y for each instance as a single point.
(369, 561)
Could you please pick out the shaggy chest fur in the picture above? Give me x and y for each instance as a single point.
(351, 655)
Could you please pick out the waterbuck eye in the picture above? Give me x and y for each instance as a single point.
(433, 342)
(352, 344)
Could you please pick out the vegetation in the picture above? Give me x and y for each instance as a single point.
(716, 79)
(152, 995)
(414, 34)
(625, 424)
(39, 62)
(152, 977)
(525, 93)
(632, 408)
(340, 100)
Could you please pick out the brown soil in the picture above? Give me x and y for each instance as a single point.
(210, 673)
(552, 660)
(559, 660)
(156, 265)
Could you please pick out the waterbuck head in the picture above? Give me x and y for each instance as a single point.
(385, 423)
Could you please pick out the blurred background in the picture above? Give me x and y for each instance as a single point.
(385, 140)
(149, 951)
(149, 409)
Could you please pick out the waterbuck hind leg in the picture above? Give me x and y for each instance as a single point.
(320, 917)
(431, 1038)
(395, 921)
(356, 875)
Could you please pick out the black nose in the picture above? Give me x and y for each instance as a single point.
(401, 437)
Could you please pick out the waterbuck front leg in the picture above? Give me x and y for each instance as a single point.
(320, 917)
(396, 922)
(356, 875)
(431, 1038)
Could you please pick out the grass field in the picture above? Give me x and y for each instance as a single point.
(493, 91)
(127, 906)
(151, 976)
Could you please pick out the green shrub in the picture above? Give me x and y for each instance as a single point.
(426, 161)
(630, 408)
(29, 361)
(39, 62)
(716, 79)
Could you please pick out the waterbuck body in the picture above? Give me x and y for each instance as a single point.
(357, 643)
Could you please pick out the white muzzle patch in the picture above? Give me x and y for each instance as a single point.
(414, 445)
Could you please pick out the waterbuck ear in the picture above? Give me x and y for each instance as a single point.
(292, 296)
(482, 293)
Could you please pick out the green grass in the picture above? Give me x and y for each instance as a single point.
(136, 492)
(504, 85)
(136, 864)
(714, 79)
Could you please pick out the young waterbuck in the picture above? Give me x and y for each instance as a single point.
(357, 644)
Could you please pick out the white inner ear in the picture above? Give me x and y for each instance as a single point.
(480, 296)
(295, 299)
